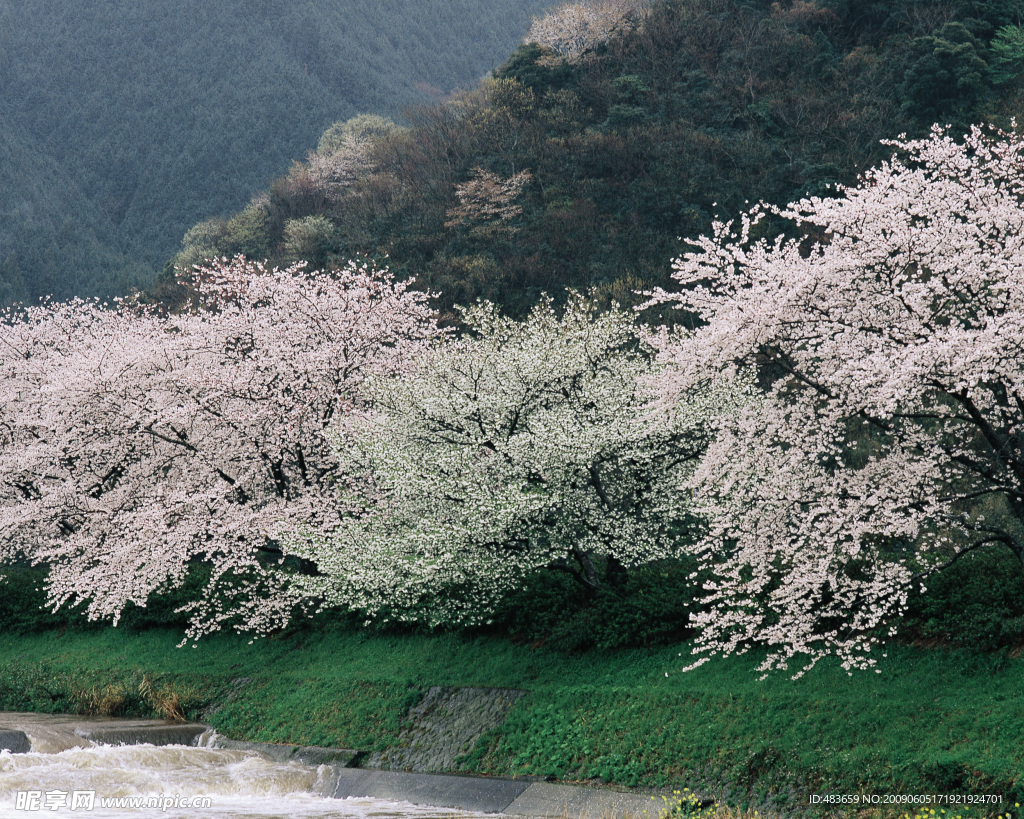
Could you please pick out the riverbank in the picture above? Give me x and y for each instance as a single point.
(328, 770)
(932, 722)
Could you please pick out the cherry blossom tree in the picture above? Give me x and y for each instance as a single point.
(520, 447)
(344, 154)
(134, 444)
(333, 171)
(891, 438)
(488, 198)
(575, 28)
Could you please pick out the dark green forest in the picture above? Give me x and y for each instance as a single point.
(123, 123)
(694, 108)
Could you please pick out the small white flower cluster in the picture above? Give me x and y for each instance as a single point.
(575, 28)
(333, 172)
(488, 197)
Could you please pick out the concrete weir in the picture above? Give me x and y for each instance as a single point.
(172, 734)
(21, 732)
(306, 754)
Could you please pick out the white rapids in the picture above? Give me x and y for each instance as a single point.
(147, 780)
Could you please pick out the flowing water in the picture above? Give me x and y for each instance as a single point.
(80, 778)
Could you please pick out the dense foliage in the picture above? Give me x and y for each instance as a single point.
(658, 117)
(126, 122)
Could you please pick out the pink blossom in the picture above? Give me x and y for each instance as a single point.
(133, 444)
(889, 440)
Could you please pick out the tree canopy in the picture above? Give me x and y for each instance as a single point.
(522, 446)
(135, 445)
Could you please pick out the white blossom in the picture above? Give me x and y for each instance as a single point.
(521, 446)
(575, 28)
(335, 169)
(488, 197)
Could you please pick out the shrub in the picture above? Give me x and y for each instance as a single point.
(977, 602)
(652, 607)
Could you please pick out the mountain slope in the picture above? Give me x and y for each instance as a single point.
(683, 110)
(140, 118)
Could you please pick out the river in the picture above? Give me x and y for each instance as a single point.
(66, 775)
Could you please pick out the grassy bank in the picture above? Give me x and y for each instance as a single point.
(943, 722)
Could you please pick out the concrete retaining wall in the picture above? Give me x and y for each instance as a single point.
(513, 797)
(440, 790)
(548, 799)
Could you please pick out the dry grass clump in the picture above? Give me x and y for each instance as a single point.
(109, 701)
(126, 697)
(164, 700)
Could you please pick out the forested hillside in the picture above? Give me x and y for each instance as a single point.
(589, 154)
(125, 122)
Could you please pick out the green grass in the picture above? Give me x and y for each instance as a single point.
(931, 722)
